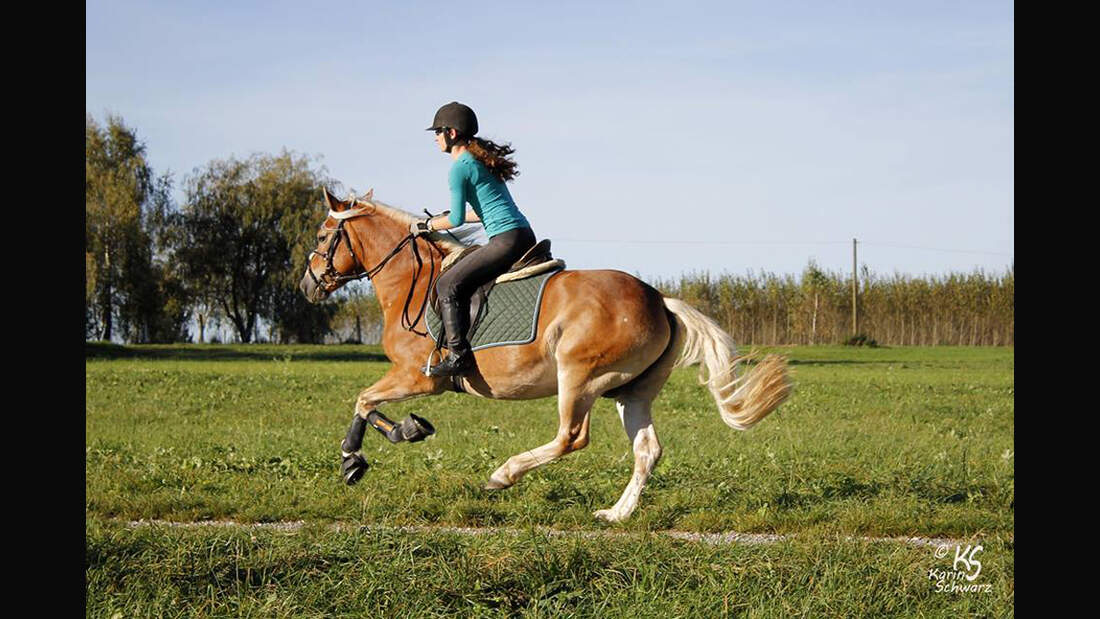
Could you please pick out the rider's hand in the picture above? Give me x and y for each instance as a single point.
(420, 227)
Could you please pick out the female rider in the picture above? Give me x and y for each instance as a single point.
(477, 177)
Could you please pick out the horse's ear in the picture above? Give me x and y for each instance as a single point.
(330, 201)
(369, 195)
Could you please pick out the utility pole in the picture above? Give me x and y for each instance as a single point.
(855, 313)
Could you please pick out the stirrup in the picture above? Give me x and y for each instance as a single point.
(428, 364)
(459, 364)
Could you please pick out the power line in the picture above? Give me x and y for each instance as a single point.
(643, 242)
(733, 243)
(958, 251)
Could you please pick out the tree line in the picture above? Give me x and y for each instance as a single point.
(233, 251)
(962, 309)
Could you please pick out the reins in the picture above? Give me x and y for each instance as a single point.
(336, 277)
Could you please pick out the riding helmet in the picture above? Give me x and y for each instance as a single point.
(456, 116)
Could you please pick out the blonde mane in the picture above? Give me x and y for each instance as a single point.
(441, 240)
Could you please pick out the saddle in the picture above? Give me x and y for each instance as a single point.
(535, 261)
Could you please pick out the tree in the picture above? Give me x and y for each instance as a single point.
(123, 200)
(242, 238)
(814, 280)
(298, 321)
(359, 317)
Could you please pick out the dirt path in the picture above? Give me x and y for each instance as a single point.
(731, 537)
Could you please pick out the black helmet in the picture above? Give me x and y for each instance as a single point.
(456, 116)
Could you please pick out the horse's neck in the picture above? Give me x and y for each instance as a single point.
(375, 239)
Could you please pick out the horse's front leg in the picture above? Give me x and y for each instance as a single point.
(400, 383)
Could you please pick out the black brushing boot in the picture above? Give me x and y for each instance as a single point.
(459, 357)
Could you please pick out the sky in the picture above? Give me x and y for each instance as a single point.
(657, 138)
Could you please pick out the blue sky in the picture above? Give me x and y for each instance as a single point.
(658, 138)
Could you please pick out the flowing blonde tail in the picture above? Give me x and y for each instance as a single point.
(743, 401)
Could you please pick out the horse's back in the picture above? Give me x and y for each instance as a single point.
(605, 280)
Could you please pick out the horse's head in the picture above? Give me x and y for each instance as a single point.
(333, 262)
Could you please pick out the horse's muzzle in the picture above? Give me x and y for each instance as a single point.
(309, 288)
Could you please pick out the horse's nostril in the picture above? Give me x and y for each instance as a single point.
(308, 287)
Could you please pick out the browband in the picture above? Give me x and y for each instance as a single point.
(348, 214)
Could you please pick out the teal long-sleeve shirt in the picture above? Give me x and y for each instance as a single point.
(472, 182)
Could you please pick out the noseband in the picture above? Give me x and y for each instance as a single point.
(332, 277)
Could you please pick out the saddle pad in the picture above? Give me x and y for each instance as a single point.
(531, 271)
(509, 316)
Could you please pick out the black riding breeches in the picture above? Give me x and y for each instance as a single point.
(484, 264)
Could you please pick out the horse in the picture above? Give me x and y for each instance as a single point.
(600, 333)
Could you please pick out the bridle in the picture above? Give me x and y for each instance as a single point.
(332, 279)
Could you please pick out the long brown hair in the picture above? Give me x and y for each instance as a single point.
(495, 157)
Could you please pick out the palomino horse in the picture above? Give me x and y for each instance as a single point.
(599, 333)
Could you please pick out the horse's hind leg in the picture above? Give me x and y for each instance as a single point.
(573, 415)
(637, 417)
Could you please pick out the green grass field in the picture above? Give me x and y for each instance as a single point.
(873, 442)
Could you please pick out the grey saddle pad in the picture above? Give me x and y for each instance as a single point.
(509, 315)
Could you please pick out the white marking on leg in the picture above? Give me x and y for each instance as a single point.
(637, 419)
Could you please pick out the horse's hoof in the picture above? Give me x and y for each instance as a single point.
(415, 428)
(353, 467)
(607, 514)
(496, 484)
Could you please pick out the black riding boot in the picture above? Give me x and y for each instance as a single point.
(459, 357)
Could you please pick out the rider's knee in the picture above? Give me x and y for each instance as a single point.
(448, 287)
